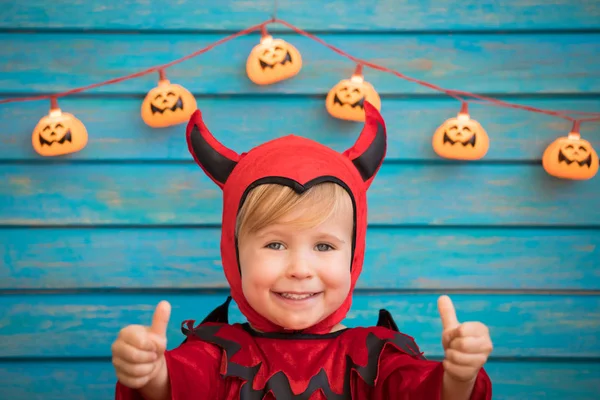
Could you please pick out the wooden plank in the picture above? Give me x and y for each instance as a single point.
(95, 380)
(336, 15)
(435, 194)
(396, 258)
(116, 131)
(498, 63)
(84, 325)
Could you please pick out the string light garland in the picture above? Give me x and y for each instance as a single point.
(571, 157)
(58, 133)
(167, 104)
(461, 138)
(272, 60)
(345, 100)
(273, 49)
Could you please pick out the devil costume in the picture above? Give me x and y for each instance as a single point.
(218, 360)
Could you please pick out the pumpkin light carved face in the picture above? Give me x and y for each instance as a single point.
(272, 60)
(345, 100)
(167, 104)
(570, 158)
(58, 133)
(461, 138)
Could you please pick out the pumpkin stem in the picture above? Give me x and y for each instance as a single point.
(53, 103)
(162, 75)
(576, 125)
(358, 71)
(464, 108)
(263, 30)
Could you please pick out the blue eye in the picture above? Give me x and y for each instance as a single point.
(274, 246)
(323, 247)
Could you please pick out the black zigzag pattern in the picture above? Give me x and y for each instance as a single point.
(279, 383)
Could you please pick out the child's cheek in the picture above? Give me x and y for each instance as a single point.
(337, 276)
(263, 269)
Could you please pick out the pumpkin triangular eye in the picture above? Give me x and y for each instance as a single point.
(569, 147)
(582, 148)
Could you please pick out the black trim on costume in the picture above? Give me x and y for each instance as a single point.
(292, 335)
(217, 165)
(279, 384)
(219, 314)
(299, 188)
(386, 320)
(368, 162)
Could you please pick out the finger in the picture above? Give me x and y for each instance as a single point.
(131, 354)
(472, 344)
(160, 342)
(138, 337)
(465, 359)
(460, 372)
(447, 313)
(160, 319)
(473, 329)
(133, 370)
(449, 335)
(132, 381)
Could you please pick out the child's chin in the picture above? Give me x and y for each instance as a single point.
(297, 325)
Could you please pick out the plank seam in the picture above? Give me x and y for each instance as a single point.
(378, 226)
(224, 290)
(285, 32)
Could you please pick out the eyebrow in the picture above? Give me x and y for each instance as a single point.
(280, 232)
(330, 235)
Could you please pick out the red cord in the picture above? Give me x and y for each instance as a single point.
(360, 64)
(453, 93)
(137, 74)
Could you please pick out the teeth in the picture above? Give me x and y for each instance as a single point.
(294, 296)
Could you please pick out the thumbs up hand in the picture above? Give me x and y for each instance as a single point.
(466, 346)
(138, 352)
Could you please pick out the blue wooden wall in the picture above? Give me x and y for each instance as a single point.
(91, 242)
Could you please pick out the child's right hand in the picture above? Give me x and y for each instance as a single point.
(138, 352)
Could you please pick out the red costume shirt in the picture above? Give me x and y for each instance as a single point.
(218, 360)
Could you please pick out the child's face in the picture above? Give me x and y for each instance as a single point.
(297, 276)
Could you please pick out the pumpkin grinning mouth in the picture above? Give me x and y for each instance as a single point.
(359, 103)
(447, 139)
(177, 106)
(66, 138)
(563, 158)
(288, 58)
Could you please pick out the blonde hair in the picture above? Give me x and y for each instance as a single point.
(269, 203)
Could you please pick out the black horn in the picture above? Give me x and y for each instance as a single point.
(368, 152)
(216, 160)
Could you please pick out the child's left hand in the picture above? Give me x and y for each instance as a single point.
(466, 345)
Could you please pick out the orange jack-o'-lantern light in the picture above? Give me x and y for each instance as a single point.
(58, 133)
(345, 100)
(571, 157)
(272, 60)
(461, 138)
(167, 104)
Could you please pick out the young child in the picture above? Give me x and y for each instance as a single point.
(292, 246)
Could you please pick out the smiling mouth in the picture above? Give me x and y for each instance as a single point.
(296, 296)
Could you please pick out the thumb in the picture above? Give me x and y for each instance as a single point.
(160, 319)
(447, 313)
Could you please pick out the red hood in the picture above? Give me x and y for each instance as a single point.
(299, 163)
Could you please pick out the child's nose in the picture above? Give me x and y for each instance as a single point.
(299, 268)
